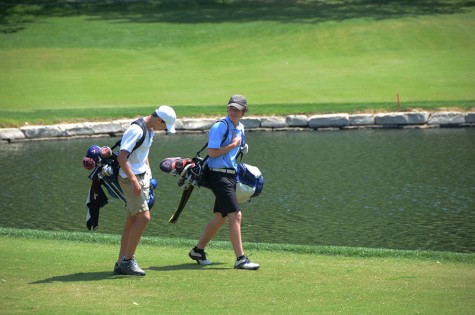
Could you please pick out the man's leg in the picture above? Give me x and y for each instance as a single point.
(133, 229)
(197, 253)
(235, 219)
(211, 229)
(137, 223)
(124, 241)
(242, 262)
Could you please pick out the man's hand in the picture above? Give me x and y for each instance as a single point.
(245, 149)
(123, 159)
(236, 140)
(136, 188)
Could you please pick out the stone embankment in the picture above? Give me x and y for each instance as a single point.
(277, 123)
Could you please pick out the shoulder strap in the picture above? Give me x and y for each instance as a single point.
(225, 136)
(141, 123)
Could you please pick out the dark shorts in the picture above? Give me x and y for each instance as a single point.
(224, 189)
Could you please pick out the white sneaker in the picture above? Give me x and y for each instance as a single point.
(130, 267)
(245, 263)
(199, 255)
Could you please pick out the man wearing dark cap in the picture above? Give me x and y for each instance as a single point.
(222, 179)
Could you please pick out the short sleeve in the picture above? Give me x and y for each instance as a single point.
(130, 138)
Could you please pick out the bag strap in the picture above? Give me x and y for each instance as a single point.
(225, 136)
(141, 123)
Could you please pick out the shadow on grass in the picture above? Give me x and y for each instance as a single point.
(188, 266)
(290, 11)
(79, 277)
(107, 275)
(14, 17)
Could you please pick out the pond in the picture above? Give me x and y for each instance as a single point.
(398, 189)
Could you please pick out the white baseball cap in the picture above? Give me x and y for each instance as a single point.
(167, 113)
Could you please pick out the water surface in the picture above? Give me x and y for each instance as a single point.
(401, 189)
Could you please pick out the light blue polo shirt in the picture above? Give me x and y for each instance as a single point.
(215, 137)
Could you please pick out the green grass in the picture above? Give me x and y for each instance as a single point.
(66, 63)
(55, 116)
(61, 272)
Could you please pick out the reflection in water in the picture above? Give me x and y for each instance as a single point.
(403, 189)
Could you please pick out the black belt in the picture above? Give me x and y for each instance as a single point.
(223, 170)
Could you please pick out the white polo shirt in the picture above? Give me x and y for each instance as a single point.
(137, 159)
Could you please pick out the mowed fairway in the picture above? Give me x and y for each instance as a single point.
(45, 275)
(302, 57)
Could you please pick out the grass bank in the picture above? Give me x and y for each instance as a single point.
(61, 272)
(89, 62)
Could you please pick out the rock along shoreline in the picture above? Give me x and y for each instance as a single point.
(342, 121)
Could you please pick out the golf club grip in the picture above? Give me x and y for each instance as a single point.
(174, 217)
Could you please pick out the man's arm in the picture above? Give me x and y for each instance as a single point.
(236, 141)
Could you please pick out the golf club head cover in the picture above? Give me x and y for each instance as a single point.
(88, 163)
(168, 165)
(94, 152)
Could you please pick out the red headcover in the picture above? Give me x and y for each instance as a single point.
(174, 164)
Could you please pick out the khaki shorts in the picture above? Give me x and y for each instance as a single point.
(136, 204)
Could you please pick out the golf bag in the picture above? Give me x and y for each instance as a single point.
(195, 172)
(250, 182)
(105, 169)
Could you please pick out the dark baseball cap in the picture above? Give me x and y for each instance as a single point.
(238, 101)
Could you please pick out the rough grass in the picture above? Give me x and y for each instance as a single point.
(61, 272)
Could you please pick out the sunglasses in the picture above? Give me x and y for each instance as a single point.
(163, 122)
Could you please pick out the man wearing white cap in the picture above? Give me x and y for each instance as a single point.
(134, 179)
